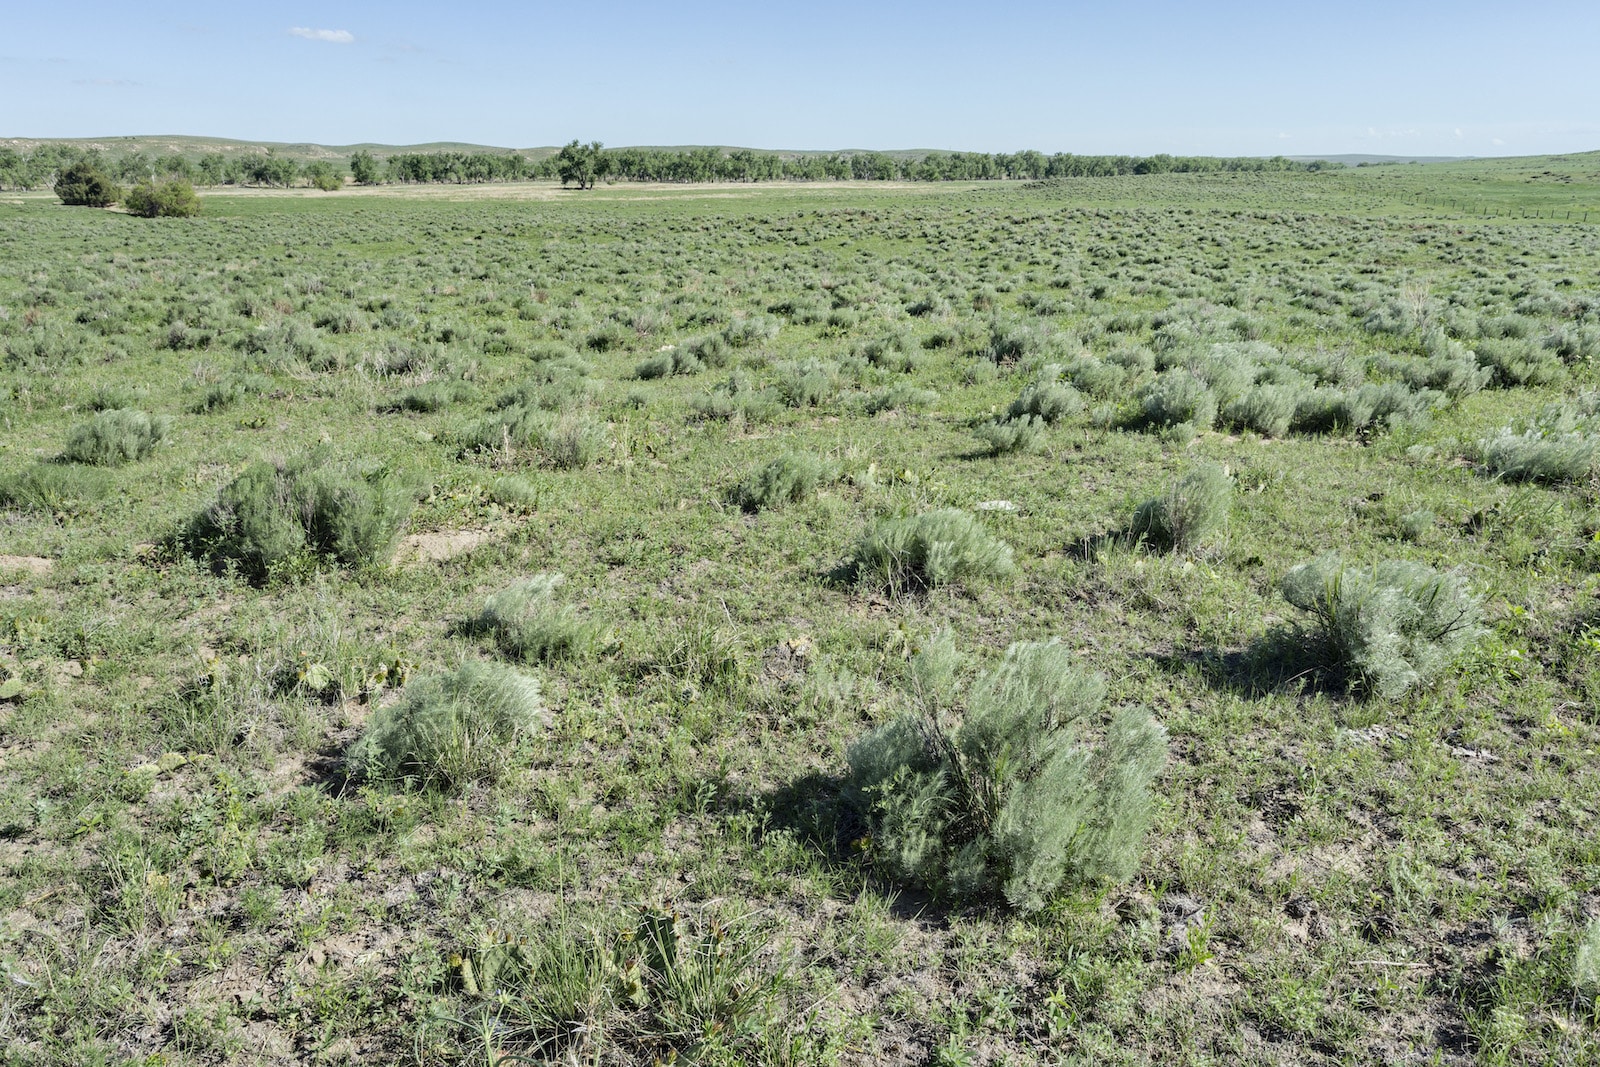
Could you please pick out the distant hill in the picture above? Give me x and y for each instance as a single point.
(1355, 159)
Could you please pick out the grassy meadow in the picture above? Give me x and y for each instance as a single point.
(307, 756)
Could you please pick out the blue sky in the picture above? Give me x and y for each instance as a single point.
(1221, 78)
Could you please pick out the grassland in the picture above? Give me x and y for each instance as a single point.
(660, 867)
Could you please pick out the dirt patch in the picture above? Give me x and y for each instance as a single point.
(31, 564)
(440, 545)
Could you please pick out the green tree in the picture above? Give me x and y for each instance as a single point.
(364, 169)
(85, 185)
(322, 175)
(582, 164)
(213, 168)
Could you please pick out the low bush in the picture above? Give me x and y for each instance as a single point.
(806, 384)
(1385, 629)
(995, 790)
(735, 398)
(748, 330)
(574, 442)
(514, 491)
(54, 487)
(1515, 361)
(1539, 456)
(1178, 398)
(930, 550)
(896, 351)
(1265, 409)
(526, 621)
(1561, 444)
(786, 480)
(173, 199)
(230, 391)
(1046, 398)
(115, 437)
(1189, 512)
(275, 513)
(901, 396)
(451, 730)
(1005, 436)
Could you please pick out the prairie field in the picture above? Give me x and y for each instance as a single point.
(1111, 621)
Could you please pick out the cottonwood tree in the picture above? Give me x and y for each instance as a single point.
(582, 164)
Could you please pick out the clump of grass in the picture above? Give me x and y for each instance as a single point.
(734, 399)
(274, 514)
(806, 383)
(115, 437)
(995, 790)
(788, 479)
(896, 351)
(1178, 398)
(514, 491)
(1415, 525)
(54, 487)
(527, 622)
(1190, 511)
(451, 730)
(931, 549)
(1266, 409)
(1386, 629)
(230, 391)
(574, 442)
(705, 990)
(1046, 398)
(1006, 436)
(901, 396)
(1538, 456)
(1586, 962)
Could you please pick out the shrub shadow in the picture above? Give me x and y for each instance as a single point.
(1284, 660)
(815, 811)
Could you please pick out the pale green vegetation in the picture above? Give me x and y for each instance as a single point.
(309, 757)
(451, 730)
(1387, 628)
(992, 790)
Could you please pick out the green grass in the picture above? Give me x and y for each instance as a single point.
(192, 874)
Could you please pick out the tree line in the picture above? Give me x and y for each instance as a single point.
(583, 164)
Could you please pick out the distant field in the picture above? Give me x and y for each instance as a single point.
(280, 478)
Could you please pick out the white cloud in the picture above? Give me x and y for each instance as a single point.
(1459, 133)
(1283, 137)
(330, 36)
(1496, 141)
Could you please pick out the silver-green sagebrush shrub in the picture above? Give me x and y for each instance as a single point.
(1178, 398)
(786, 480)
(998, 789)
(527, 621)
(1004, 436)
(1537, 456)
(275, 513)
(1388, 628)
(1046, 398)
(1191, 510)
(1265, 409)
(115, 437)
(451, 730)
(931, 549)
(1562, 444)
